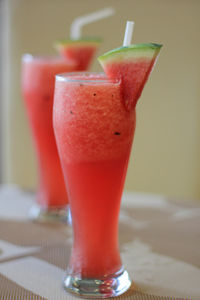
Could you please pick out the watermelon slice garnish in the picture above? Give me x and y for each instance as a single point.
(81, 51)
(132, 65)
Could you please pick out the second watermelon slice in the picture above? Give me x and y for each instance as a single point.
(81, 51)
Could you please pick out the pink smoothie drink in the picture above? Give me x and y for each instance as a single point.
(94, 134)
(38, 79)
(94, 122)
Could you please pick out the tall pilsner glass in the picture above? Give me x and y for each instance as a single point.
(38, 81)
(94, 134)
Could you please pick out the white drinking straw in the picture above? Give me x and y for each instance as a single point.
(128, 33)
(78, 23)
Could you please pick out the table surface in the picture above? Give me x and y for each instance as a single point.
(159, 242)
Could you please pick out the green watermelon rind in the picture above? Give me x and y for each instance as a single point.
(90, 41)
(136, 50)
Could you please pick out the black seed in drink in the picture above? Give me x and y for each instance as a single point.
(112, 95)
(94, 94)
(71, 112)
(117, 133)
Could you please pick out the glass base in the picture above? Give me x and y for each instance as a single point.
(111, 286)
(51, 215)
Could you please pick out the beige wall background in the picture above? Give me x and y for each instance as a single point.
(165, 156)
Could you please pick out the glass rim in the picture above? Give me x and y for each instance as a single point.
(28, 57)
(68, 77)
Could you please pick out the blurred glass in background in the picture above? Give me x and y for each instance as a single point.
(165, 156)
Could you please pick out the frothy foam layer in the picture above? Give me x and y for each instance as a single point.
(90, 120)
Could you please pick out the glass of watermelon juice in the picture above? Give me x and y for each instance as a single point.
(38, 79)
(94, 134)
(94, 122)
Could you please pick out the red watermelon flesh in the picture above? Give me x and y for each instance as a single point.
(83, 55)
(81, 51)
(132, 65)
